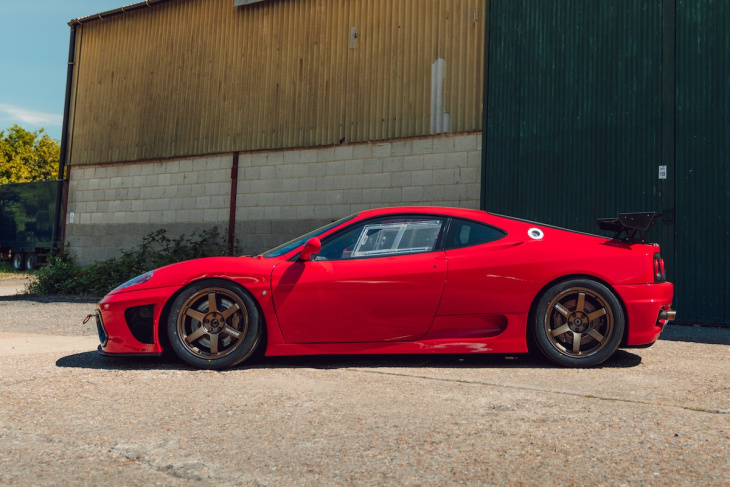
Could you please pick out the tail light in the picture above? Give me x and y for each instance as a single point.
(660, 274)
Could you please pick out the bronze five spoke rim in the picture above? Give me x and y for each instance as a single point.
(212, 323)
(579, 322)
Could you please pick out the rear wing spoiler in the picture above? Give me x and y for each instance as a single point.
(635, 226)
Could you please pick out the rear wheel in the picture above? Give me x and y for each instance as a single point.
(31, 260)
(578, 323)
(214, 324)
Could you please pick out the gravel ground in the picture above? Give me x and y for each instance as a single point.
(656, 416)
(13, 284)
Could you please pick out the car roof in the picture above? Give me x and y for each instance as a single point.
(427, 210)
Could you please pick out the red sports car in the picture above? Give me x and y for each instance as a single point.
(404, 280)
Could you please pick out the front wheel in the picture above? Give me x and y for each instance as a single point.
(214, 324)
(17, 261)
(578, 323)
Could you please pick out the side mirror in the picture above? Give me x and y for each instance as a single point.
(311, 247)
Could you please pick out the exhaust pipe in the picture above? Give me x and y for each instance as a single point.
(667, 314)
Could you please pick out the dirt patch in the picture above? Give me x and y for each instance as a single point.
(14, 284)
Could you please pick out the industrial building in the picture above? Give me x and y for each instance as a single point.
(270, 117)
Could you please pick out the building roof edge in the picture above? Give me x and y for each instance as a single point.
(116, 11)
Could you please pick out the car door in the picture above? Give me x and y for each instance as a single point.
(378, 280)
(481, 263)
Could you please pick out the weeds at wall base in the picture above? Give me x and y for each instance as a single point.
(61, 275)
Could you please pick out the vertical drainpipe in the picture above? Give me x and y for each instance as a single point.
(59, 219)
(485, 105)
(232, 213)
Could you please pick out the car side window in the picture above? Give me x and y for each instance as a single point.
(383, 238)
(466, 233)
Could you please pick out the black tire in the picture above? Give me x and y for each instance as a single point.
(18, 261)
(214, 338)
(578, 323)
(31, 260)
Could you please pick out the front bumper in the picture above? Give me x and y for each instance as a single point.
(113, 321)
(648, 310)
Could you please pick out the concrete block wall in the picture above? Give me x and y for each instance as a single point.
(280, 194)
(115, 206)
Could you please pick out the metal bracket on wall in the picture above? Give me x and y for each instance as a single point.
(353, 37)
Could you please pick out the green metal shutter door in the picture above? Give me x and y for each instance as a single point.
(703, 161)
(573, 127)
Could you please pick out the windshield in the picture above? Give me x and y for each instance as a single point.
(292, 244)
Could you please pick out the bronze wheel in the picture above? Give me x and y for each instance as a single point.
(214, 325)
(578, 323)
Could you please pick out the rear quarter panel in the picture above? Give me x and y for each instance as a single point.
(506, 276)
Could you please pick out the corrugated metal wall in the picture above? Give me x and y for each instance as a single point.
(586, 99)
(574, 109)
(189, 77)
(703, 160)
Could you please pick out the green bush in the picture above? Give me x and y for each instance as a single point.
(6, 269)
(61, 275)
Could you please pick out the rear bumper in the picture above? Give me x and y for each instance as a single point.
(648, 310)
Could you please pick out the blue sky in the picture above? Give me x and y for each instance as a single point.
(33, 59)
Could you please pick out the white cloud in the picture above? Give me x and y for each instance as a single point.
(23, 116)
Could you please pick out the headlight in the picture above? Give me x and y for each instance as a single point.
(135, 280)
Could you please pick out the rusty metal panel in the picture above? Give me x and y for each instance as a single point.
(411, 62)
(190, 77)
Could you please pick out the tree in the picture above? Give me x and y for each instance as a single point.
(27, 156)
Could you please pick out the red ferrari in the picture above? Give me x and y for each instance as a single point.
(404, 280)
